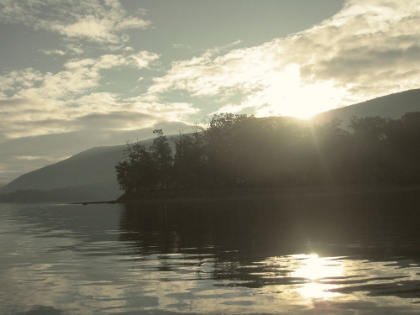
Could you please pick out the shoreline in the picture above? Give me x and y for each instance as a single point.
(253, 194)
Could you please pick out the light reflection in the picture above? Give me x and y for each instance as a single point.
(314, 269)
(98, 274)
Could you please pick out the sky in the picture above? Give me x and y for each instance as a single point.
(77, 74)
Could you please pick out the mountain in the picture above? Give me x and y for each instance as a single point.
(86, 176)
(390, 106)
(91, 176)
(88, 167)
(86, 170)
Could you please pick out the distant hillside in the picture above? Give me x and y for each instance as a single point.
(88, 167)
(93, 171)
(86, 176)
(390, 106)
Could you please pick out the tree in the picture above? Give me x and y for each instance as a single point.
(237, 150)
(138, 172)
(369, 154)
(161, 154)
(190, 161)
(403, 138)
(124, 176)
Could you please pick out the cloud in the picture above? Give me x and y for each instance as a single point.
(26, 78)
(210, 74)
(142, 59)
(92, 20)
(79, 76)
(70, 49)
(97, 111)
(370, 48)
(367, 44)
(74, 49)
(50, 52)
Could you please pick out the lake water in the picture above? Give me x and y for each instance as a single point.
(314, 255)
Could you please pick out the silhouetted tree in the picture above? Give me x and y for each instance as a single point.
(161, 155)
(146, 170)
(245, 151)
(369, 148)
(190, 161)
(124, 176)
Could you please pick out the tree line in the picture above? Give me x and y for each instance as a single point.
(234, 151)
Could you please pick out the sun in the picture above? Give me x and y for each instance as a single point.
(288, 94)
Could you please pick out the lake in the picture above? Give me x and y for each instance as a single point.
(315, 255)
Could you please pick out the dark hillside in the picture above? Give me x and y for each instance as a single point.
(86, 168)
(390, 106)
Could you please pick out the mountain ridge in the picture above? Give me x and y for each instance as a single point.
(383, 106)
(95, 168)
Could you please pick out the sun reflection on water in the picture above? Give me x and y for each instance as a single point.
(317, 271)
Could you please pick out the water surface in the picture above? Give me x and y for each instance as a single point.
(314, 255)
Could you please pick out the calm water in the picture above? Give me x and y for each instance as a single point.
(320, 255)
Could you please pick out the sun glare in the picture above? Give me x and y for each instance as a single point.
(289, 95)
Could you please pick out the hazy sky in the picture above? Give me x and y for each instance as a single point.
(75, 74)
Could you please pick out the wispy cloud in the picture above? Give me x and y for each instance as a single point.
(26, 78)
(50, 52)
(69, 49)
(97, 111)
(140, 60)
(92, 20)
(79, 76)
